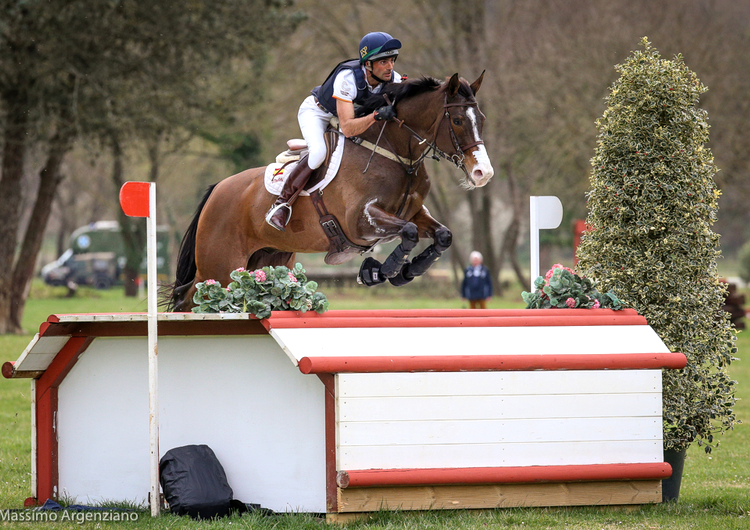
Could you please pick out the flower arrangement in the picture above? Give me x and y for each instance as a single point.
(261, 291)
(562, 288)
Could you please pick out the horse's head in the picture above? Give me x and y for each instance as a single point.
(439, 117)
(461, 139)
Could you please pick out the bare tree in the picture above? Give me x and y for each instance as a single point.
(73, 69)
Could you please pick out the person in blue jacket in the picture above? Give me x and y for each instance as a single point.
(349, 83)
(477, 284)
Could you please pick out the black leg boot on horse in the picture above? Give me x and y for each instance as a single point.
(281, 211)
(420, 264)
(372, 272)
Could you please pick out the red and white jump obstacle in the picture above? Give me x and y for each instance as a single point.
(353, 411)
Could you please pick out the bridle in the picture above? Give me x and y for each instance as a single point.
(457, 158)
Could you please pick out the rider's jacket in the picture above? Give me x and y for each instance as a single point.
(324, 92)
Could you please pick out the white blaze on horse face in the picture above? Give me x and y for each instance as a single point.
(482, 171)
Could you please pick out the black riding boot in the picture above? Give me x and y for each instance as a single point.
(281, 211)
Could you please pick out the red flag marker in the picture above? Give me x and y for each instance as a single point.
(134, 199)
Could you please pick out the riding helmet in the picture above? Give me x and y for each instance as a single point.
(377, 45)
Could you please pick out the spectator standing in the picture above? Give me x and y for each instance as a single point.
(477, 284)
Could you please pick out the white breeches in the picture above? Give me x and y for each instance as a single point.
(313, 122)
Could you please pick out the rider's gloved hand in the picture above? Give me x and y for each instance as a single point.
(385, 113)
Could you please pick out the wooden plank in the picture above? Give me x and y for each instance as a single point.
(498, 407)
(490, 431)
(555, 340)
(143, 317)
(39, 353)
(499, 454)
(499, 383)
(353, 500)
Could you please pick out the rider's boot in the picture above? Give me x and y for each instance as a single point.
(281, 211)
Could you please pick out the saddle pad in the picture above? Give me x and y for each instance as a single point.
(276, 173)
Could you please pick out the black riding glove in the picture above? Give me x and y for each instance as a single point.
(385, 113)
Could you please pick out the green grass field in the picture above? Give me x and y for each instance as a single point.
(715, 490)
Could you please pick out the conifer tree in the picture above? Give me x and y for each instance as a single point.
(651, 207)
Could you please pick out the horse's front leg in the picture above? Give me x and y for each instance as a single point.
(382, 224)
(442, 239)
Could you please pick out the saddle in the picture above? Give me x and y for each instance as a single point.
(339, 244)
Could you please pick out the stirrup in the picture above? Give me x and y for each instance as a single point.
(274, 209)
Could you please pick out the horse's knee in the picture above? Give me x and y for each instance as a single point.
(443, 239)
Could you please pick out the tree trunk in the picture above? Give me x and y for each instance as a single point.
(438, 199)
(509, 248)
(488, 247)
(14, 151)
(49, 180)
(130, 270)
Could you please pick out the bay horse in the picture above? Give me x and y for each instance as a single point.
(377, 196)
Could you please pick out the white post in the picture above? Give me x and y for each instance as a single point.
(546, 213)
(153, 401)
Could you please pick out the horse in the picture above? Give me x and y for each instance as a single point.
(377, 196)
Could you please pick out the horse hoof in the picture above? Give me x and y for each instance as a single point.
(369, 273)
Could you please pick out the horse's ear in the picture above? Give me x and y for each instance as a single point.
(476, 84)
(453, 85)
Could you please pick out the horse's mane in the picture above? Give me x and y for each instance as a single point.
(397, 92)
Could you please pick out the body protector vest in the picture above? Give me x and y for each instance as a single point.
(324, 92)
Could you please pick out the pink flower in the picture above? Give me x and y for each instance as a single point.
(210, 282)
(556, 266)
(570, 302)
(597, 305)
(292, 278)
(260, 276)
(552, 271)
(241, 269)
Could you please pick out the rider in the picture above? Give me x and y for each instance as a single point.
(349, 83)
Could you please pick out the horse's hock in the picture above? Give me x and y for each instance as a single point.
(433, 409)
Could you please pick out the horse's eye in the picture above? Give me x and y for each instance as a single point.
(457, 122)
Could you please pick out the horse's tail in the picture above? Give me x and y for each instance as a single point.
(186, 267)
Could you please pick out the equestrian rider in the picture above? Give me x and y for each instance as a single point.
(349, 83)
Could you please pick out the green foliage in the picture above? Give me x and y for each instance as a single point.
(241, 149)
(744, 258)
(651, 206)
(261, 291)
(562, 288)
